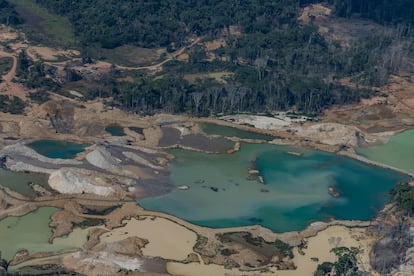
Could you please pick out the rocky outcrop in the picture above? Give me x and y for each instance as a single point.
(78, 181)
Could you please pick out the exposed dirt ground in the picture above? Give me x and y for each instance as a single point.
(46, 53)
(392, 110)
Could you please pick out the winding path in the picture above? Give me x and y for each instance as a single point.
(170, 57)
(7, 86)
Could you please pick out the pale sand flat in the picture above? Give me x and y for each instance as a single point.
(318, 247)
(167, 239)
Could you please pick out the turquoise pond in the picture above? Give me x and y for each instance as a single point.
(398, 152)
(115, 130)
(297, 188)
(57, 149)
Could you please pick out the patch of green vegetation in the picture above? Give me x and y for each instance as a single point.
(90, 222)
(43, 26)
(13, 105)
(228, 252)
(403, 195)
(268, 249)
(8, 14)
(6, 63)
(39, 96)
(285, 250)
(199, 247)
(346, 263)
(34, 75)
(125, 55)
(100, 211)
(219, 77)
(4, 263)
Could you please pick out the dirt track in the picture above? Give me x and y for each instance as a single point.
(170, 57)
(7, 86)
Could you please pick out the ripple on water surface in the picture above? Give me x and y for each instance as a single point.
(295, 194)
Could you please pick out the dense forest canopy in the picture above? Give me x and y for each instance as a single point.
(8, 14)
(275, 61)
(381, 11)
(158, 23)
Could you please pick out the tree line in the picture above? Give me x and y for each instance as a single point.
(275, 62)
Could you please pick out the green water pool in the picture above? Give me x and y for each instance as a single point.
(115, 130)
(20, 181)
(215, 129)
(31, 232)
(398, 152)
(295, 194)
(57, 149)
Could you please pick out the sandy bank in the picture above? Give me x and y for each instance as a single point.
(167, 239)
(319, 247)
